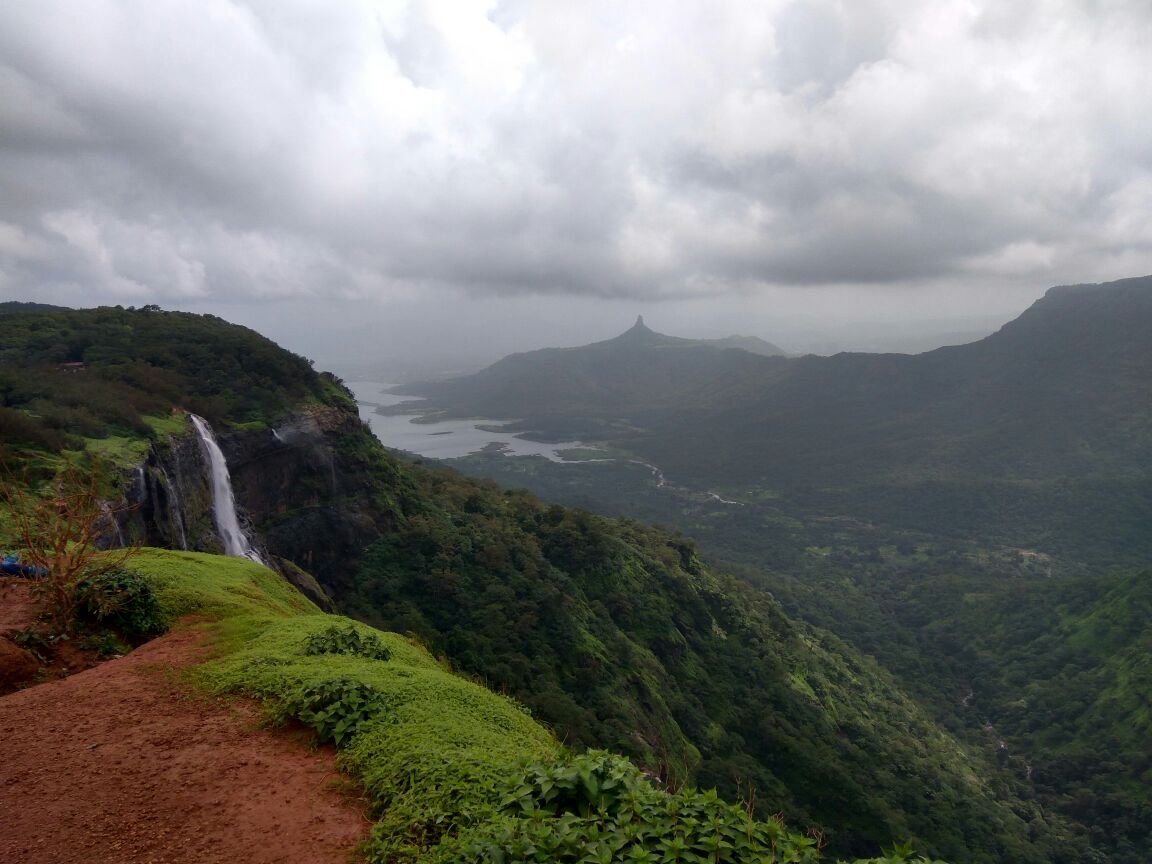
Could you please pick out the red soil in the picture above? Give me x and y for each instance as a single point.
(18, 667)
(121, 765)
(16, 607)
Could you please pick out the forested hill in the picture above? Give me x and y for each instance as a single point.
(615, 633)
(97, 372)
(1064, 672)
(13, 307)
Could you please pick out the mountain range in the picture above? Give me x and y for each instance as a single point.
(995, 434)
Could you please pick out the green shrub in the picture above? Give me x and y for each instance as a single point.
(120, 600)
(106, 645)
(598, 807)
(346, 640)
(335, 708)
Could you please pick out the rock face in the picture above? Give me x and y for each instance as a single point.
(172, 497)
(308, 492)
(312, 490)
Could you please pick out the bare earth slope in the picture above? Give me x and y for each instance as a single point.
(120, 765)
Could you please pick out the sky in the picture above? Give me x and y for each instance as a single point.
(369, 181)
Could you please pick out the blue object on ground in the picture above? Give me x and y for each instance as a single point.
(10, 565)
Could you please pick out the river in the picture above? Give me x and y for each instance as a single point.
(444, 439)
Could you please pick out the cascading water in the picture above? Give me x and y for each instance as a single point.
(223, 501)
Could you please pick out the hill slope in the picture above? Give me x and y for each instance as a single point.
(615, 633)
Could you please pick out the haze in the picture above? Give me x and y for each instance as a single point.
(438, 183)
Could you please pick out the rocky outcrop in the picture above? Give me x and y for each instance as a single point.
(313, 492)
(171, 497)
(312, 489)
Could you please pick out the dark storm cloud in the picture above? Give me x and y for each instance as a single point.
(191, 150)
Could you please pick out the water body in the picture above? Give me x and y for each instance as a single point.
(444, 439)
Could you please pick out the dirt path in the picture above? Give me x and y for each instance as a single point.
(120, 765)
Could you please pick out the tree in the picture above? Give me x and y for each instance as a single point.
(59, 531)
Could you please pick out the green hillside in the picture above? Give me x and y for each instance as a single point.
(1064, 673)
(617, 635)
(438, 756)
(98, 372)
(614, 633)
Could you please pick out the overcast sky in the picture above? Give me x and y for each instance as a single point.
(551, 169)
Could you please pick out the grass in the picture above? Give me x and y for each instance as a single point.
(120, 450)
(169, 424)
(434, 748)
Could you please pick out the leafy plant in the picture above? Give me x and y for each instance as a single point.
(334, 708)
(599, 808)
(122, 600)
(346, 640)
(105, 644)
(36, 642)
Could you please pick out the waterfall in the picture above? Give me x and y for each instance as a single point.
(110, 516)
(223, 501)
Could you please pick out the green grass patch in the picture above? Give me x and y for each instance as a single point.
(168, 424)
(247, 425)
(219, 587)
(120, 450)
(428, 746)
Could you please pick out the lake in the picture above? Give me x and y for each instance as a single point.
(445, 439)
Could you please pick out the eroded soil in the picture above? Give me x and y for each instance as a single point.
(122, 764)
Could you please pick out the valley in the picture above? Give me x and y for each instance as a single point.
(888, 513)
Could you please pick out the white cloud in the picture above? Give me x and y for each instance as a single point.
(298, 148)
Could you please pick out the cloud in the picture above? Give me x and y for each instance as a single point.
(218, 148)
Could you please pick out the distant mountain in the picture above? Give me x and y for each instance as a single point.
(752, 344)
(1063, 389)
(11, 307)
(1037, 434)
(638, 371)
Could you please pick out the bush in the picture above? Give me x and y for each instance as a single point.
(335, 709)
(121, 600)
(600, 808)
(346, 640)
